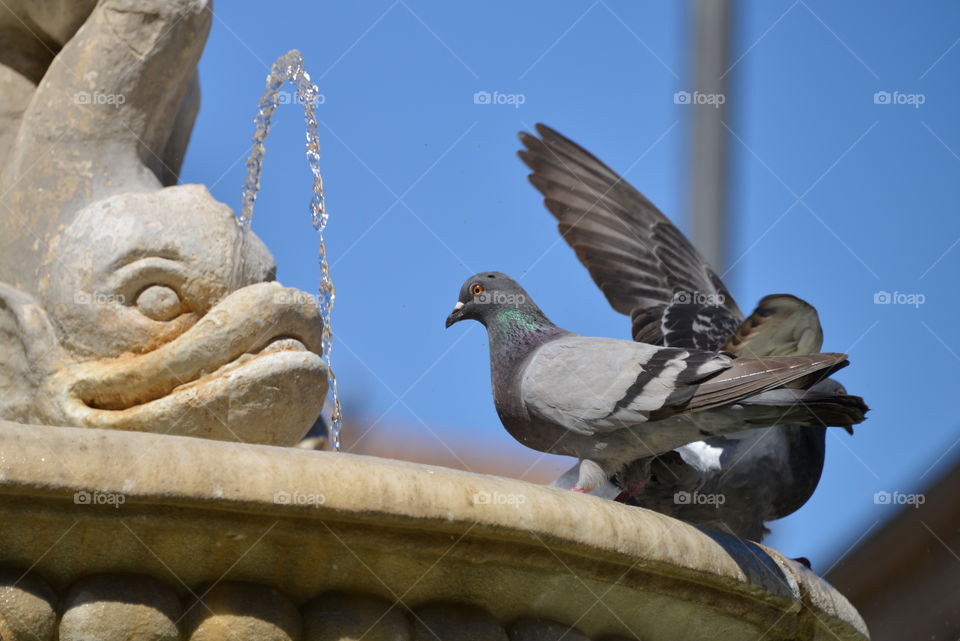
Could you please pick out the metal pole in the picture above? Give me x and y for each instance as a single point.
(709, 174)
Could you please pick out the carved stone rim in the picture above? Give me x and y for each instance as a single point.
(78, 501)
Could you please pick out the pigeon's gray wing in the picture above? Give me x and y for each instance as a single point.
(595, 385)
(642, 263)
(590, 385)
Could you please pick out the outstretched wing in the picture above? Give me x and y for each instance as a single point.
(642, 263)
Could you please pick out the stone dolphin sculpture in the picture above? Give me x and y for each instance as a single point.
(122, 302)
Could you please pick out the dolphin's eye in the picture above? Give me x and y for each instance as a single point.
(154, 285)
(477, 289)
(159, 302)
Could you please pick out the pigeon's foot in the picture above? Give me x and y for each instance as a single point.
(593, 482)
(629, 492)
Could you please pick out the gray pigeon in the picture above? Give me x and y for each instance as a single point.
(648, 270)
(610, 402)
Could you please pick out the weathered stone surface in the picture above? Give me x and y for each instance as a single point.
(28, 607)
(136, 328)
(455, 622)
(210, 508)
(111, 607)
(32, 34)
(242, 612)
(102, 115)
(533, 629)
(354, 617)
(822, 597)
(124, 305)
(219, 368)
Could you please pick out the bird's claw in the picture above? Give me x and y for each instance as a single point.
(804, 561)
(629, 492)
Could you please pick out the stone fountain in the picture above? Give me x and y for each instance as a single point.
(154, 377)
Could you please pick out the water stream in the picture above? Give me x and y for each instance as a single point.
(289, 68)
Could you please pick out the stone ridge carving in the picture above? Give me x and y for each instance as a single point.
(195, 513)
(119, 607)
(122, 304)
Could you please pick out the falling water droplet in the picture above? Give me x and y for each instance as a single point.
(289, 68)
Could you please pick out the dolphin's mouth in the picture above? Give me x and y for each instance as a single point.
(117, 399)
(254, 355)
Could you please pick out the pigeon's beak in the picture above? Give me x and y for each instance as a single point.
(456, 314)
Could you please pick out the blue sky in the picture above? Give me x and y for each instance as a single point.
(835, 197)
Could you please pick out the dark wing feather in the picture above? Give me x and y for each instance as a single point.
(640, 261)
(751, 376)
(705, 327)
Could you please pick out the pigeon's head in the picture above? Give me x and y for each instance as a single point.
(485, 295)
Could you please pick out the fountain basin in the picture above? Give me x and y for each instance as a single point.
(268, 542)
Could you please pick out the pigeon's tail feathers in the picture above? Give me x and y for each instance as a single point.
(750, 376)
(812, 407)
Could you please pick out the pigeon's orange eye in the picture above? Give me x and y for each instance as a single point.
(477, 289)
